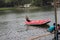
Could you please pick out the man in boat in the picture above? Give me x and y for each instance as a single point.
(27, 19)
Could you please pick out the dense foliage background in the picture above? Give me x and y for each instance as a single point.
(13, 3)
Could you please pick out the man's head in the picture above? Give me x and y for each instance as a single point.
(54, 24)
(58, 25)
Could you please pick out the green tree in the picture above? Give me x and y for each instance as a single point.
(37, 2)
(22, 2)
(47, 2)
(2, 3)
(41, 2)
(9, 3)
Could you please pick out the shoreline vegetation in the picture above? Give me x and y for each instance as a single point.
(23, 8)
(26, 4)
(2, 9)
(13, 8)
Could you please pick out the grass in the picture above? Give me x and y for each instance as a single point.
(30, 8)
(2, 9)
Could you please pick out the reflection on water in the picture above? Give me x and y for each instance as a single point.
(14, 20)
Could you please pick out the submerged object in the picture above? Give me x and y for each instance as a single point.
(37, 22)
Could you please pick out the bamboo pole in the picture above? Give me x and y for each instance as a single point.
(55, 10)
(39, 36)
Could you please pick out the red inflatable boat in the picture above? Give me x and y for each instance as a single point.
(37, 22)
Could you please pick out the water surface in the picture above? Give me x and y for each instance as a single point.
(13, 20)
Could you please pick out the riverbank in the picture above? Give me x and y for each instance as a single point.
(2, 9)
(32, 9)
(18, 8)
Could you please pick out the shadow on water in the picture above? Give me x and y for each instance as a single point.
(45, 8)
(30, 10)
(39, 26)
(43, 26)
(2, 12)
(18, 11)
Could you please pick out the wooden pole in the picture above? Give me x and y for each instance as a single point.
(55, 9)
(39, 36)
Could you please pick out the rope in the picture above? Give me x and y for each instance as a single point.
(39, 36)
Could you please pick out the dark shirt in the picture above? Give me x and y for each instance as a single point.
(27, 20)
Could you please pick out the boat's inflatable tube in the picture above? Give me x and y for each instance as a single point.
(37, 22)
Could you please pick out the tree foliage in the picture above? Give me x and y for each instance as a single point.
(12, 3)
(37, 2)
